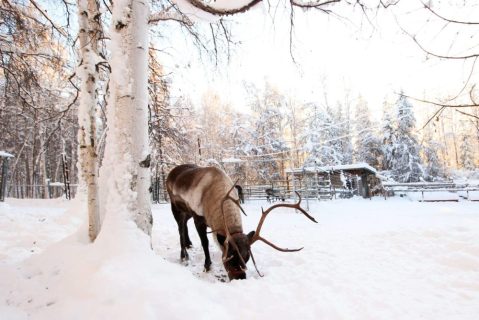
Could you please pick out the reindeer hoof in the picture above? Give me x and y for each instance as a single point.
(207, 267)
(184, 256)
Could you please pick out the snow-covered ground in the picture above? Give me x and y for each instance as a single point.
(365, 259)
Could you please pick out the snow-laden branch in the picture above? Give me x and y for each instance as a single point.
(222, 7)
(312, 4)
(169, 15)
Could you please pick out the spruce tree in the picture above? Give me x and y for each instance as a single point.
(406, 163)
(434, 169)
(322, 137)
(343, 121)
(368, 148)
(387, 138)
(467, 154)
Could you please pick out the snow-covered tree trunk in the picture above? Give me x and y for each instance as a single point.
(127, 160)
(90, 29)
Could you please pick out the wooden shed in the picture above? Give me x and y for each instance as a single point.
(336, 181)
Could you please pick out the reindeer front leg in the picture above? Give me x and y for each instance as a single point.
(201, 226)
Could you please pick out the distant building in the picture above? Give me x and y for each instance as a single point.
(337, 181)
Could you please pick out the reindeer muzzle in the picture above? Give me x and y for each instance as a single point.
(236, 274)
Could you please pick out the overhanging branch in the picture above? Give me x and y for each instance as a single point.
(427, 7)
(222, 12)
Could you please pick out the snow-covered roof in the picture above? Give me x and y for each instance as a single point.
(353, 166)
(57, 184)
(5, 154)
(382, 177)
(231, 160)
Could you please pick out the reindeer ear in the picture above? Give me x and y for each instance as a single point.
(250, 236)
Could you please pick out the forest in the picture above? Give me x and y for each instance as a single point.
(41, 80)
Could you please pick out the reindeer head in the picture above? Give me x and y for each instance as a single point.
(237, 246)
(236, 253)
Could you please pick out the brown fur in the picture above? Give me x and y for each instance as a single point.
(198, 192)
(209, 185)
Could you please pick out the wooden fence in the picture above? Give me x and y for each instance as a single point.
(428, 189)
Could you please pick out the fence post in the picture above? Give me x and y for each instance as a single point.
(3, 186)
(294, 185)
(66, 177)
(49, 189)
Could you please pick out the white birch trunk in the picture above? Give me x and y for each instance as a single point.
(127, 150)
(90, 30)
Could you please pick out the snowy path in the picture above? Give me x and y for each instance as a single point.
(378, 259)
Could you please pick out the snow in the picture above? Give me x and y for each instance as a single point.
(231, 160)
(433, 196)
(366, 259)
(5, 154)
(353, 166)
(199, 15)
(57, 184)
(470, 195)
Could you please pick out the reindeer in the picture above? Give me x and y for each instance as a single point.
(239, 190)
(204, 193)
(273, 195)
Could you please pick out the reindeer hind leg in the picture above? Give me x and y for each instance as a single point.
(181, 220)
(187, 236)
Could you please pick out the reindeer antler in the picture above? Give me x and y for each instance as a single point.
(264, 214)
(236, 201)
(229, 238)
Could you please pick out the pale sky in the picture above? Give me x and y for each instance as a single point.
(334, 52)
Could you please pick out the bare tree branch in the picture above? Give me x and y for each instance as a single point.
(445, 105)
(465, 57)
(428, 7)
(436, 114)
(429, 52)
(168, 15)
(387, 5)
(44, 14)
(468, 114)
(467, 82)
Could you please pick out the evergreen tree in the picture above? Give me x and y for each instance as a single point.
(368, 147)
(387, 138)
(433, 167)
(344, 130)
(269, 144)
(322, 137)
(406, 163)
(467, 154)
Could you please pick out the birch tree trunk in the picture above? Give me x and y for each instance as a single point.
(90, 29)
(127, 160)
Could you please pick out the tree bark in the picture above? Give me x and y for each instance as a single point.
(90, 29)
(127, 158)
